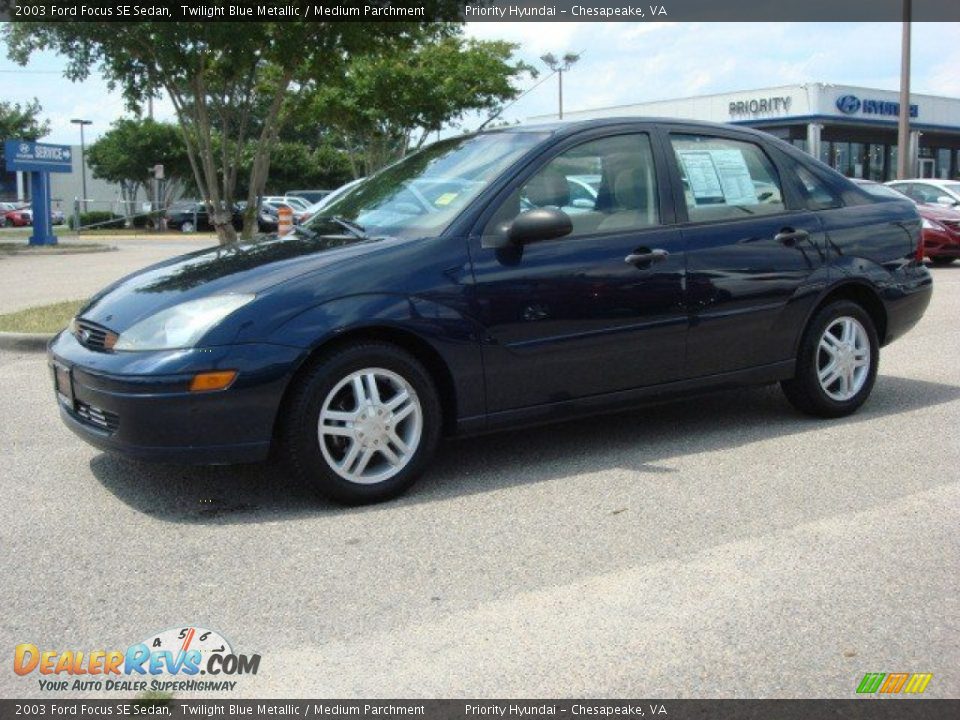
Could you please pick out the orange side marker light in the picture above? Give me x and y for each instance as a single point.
(209, 381)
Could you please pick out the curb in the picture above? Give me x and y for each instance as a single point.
(25, 342)
(58, 249)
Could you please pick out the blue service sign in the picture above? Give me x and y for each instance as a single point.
(37, 157)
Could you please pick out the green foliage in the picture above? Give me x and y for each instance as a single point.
(129, 150)
(22, 121)
(295, 165)
(99, 216)
(228, 78)
(385, 104)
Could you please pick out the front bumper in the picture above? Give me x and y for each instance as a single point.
(139, 404)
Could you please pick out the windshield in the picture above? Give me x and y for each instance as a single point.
(422, 194)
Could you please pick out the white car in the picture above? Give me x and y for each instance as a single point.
(930, 191)
(298, 204)
(312, 210)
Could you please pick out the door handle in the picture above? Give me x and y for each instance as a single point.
(642, 256)
(790, 237)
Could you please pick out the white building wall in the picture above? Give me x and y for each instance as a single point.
(785, 101)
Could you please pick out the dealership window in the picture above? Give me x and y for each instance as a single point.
(875, 168)
(943, 163)
(724, 179)
(892, 162)
(604, 185)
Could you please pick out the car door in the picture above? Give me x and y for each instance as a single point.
(751, 246)
(599, 310)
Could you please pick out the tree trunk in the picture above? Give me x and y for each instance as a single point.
(261, 158)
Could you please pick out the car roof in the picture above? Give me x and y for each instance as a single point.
(939, 182)
(570, 127)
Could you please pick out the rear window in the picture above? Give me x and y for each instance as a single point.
(726, 179)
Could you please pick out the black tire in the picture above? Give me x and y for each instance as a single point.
(804, 390)
(299, 442)
(941, 261)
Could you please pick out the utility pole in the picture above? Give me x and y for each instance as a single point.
(904, 151)
(83, 157)
(559, 66)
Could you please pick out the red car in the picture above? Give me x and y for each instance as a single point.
(941, 225)
(16, 216)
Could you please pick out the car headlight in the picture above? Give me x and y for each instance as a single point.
(932, 225)
(180, 326)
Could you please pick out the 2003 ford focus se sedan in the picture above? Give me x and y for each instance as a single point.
(502, 278)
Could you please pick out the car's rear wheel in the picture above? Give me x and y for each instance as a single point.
(941, 261)
(362, 423)
(837, 362)
(187, 227)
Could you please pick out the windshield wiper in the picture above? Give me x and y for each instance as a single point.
(351, 226)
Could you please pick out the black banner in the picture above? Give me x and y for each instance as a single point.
(866, 708)
(479, 11)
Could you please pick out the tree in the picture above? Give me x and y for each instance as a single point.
(298, 166)
(126, 154)
(387, 104)
(22, 122)
(225, 78)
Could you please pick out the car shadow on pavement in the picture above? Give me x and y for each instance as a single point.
(637, 440)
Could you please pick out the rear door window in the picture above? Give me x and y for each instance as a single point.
(726, 179)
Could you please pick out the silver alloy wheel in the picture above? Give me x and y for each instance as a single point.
(843, 358)
(187, 227)
(370, 426)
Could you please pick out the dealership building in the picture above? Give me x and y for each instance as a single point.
(853, 129)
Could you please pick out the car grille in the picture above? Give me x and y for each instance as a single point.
(94, 336)
(92, 415)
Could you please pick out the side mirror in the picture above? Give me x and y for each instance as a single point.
(947, 201)
(539, 224)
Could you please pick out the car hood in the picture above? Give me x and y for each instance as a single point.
(242, 268)
(937, 212)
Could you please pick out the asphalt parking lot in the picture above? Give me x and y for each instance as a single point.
(722, 546)
(28, 281)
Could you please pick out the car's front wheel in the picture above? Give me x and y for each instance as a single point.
(362, 423)
(837, 362)
(187, 227)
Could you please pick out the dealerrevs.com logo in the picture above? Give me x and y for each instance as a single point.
(894, 683)
(171, 661)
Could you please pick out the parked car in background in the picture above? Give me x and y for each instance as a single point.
(191, 216)
(18, 215)
(305, 215)
(930, 191)
(309, 196)
(57, 217)
(426, 302)
(298, 204)
(941, 225)
(268, 219)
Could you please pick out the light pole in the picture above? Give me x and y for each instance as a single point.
(904, 151)
(559, 66)
(83, 157)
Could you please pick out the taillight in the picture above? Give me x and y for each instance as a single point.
(918, 255)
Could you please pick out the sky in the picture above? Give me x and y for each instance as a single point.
(621, 63)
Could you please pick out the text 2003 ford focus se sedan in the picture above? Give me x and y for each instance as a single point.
(512, 276)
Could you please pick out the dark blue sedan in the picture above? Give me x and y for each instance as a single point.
(474, 286)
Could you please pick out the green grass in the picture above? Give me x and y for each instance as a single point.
(43, 319)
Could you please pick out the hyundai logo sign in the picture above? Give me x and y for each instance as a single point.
(848, 104)
(851, 104)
